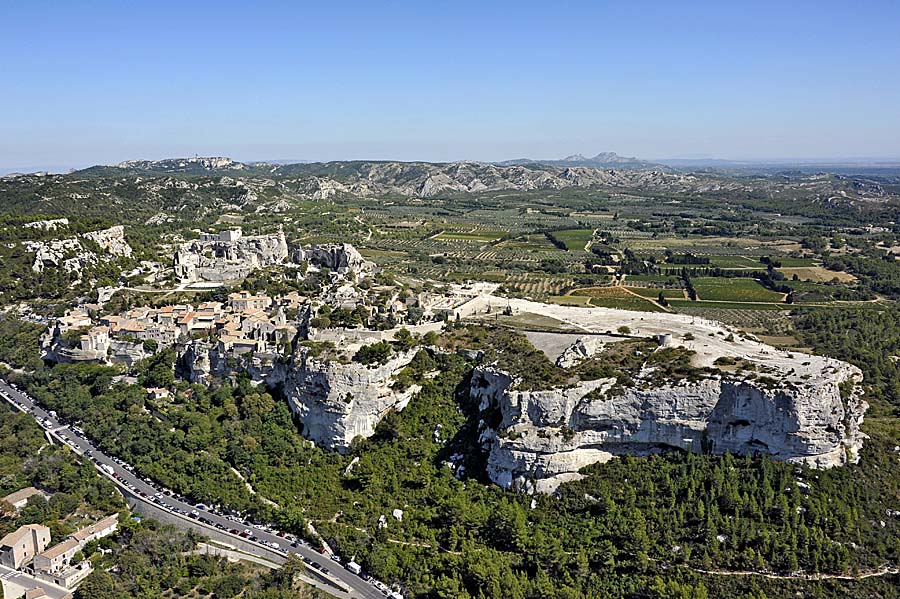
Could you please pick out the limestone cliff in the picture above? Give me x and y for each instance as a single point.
(71, 254)
(339, 257)
(544, 437)
(228, 259)
(112, 240)
(337, 402)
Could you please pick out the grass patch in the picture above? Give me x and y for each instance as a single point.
(661, 279)
(373, 253)
(725, 305)
(735, 262)
(733, 290)
(570, 300)
(616, 297)
(573, 239)
(491, 277)
(789, 262)
(653, 292)
(482, 236)
(816, 274)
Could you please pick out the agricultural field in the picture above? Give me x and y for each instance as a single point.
(616, 297)
(816, 274)
(666, 280)
(791, 262)
(529, 243)
(489, 276)
(473, 236)
(570, 300)
(736, 262)
(701, 246)
(574, 239)
(733, 290)
(765, 322)
(680, 305)
(373, 254)
(653, 292)
(538, 287)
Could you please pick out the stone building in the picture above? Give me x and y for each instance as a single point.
(20, 546)
(244, 300)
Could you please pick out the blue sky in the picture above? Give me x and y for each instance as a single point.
(99, 82)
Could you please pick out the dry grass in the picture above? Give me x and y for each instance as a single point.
(817, 274)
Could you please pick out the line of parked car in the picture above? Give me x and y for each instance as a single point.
(163, 496)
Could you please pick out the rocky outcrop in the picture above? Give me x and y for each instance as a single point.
(334, 401)
(48, 225)
(544, 437)
(579, 351)
(71, 255)
(200, 361)
(341, 258)
(111, 240)
(338, 402)
(198, 163)
(66, 253)
(229, 259)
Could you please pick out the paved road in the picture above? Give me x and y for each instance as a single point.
(14, 582)
(263, 538)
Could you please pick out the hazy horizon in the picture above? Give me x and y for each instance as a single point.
(788, 161)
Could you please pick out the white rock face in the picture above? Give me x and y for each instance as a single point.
(339, 257)
(53, 254)
(579, 351)
(48, 225)
(220, 260)
(545, 437)
(788, 406)
(338, 402)
(71, 255)
(180, 164)
(112, 240)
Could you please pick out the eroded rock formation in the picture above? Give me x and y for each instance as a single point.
(111, 240)
(544, 437)
(338, 402)
(70, 253)
(228, 257)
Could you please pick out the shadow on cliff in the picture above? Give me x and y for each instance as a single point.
(471, 457)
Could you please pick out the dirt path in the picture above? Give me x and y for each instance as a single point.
(652, 301)
(883, 571)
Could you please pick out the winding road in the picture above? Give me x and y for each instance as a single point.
(265, 542)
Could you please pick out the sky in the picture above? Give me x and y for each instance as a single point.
(87, 82)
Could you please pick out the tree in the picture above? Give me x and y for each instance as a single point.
(98, 585)
(661, 299)
(257, 405)
(404, 340)
(375, 353)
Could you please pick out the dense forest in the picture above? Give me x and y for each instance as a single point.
(653, 526)
(143, 559)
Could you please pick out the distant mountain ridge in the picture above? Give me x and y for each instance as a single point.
(188, 165)
(601, 160)
(197, 165)
(164, 190)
